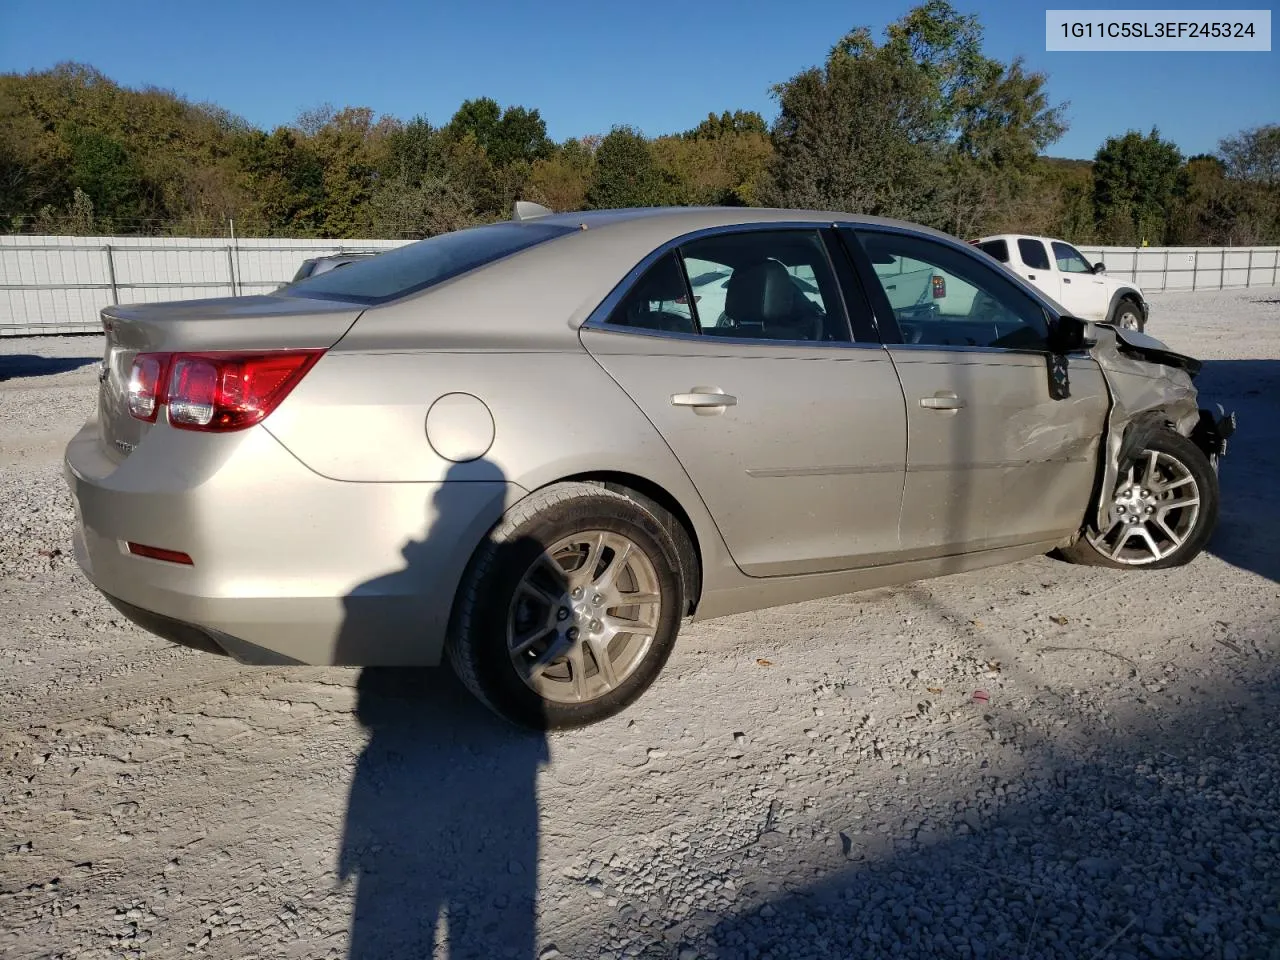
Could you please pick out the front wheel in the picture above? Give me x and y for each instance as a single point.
(1162, 513)
(1129, 316)
(570, 608)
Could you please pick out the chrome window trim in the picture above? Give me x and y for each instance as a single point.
(602, 327)
(598, 318)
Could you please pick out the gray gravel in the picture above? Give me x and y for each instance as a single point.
(812, 781)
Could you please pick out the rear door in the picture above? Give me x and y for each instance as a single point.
(992, 458)
(791, 428)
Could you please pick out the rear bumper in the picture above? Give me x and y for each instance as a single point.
(288, 566)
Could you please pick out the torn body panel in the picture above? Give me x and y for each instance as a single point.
(1151, 389)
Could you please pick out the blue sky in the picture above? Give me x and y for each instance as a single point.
(660, 66)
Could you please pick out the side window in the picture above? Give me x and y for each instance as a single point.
(996, 248)
(946, 297)
(658, 301)
(765, 285)
(1069, 259)
(1033, 254)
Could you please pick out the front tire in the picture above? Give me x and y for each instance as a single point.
(570, 608)
(1129, 316)
(1162, 513)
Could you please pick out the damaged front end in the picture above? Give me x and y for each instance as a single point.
(1151, 390)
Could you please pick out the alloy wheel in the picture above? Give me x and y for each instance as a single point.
(583, 616)
(1154, 511)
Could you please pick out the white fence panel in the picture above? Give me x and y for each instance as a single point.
(58, 284)
(1155, 269)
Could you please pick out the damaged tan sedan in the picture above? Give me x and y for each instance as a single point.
(536, 447)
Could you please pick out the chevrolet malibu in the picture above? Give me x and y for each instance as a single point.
(523, 448)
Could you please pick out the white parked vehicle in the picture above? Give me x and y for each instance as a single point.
(1058, 268)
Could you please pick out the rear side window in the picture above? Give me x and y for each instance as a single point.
(996, 248)
(1033, 254)
(406, 270)
(658, 301)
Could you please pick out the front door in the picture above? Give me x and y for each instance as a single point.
(793, 433)
(1085, 294)
(993, 459)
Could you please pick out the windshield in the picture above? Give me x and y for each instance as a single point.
(417, 266)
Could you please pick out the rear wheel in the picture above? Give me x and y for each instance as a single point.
(570, 608)
(1162, 513)
(1129, 316)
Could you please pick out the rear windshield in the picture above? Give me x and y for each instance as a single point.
(995, 248)
(417, 266)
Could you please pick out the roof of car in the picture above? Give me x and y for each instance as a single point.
(688, 219)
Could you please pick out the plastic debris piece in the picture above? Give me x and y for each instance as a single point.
(981, 696)
(763, 662)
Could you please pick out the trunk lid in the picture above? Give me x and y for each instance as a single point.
(229, 323)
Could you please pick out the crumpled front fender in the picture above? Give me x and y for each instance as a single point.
(1151, 389)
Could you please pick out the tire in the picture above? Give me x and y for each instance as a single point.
(1128, 316)
(541, 640)
(1174, 535)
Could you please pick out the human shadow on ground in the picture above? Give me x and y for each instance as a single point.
(1248, 534)
(15, 366)
(441, 831)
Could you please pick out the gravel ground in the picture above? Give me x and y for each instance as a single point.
(810, 781)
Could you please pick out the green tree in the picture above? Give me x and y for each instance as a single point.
(625, 173)
(520, 137)
(858, 134)
(922, 126)
(1253, 155)
(1135, 180)
(727, 125)
(103, 169)
(478, 118)
(286, 180)
(560, 181)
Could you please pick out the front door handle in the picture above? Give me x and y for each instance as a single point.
(1031, 276)
(704, 400)
(942, 400)
(1066, 279)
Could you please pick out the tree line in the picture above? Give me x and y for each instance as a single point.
(919, 124)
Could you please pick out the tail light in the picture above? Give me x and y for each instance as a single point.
(939, 287)
(682, 299)
(219, 391)
(145, 379)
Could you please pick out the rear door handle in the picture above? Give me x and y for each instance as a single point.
(1066, 279)
(942, 400)
(703, 397)
(704, 400)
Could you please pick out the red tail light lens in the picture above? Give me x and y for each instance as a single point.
(144, 385)
(231, 391)
(216, 391)
(939, 287)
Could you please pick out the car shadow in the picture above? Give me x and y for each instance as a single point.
(15, 366)
(1248, 534)
(441, 828)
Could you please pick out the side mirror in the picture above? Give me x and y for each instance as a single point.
(1068, 335)
(1099, 268)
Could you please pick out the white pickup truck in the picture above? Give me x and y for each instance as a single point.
(1057, 268)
